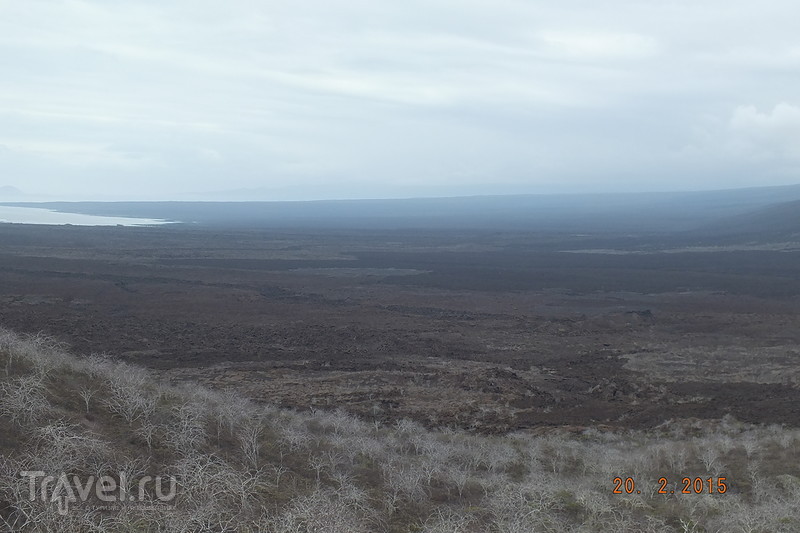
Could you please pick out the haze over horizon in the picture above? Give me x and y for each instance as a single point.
(327, 100)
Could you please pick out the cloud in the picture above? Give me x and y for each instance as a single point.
(775, 133)
(354, 97)
(594, 46)
(70, 153)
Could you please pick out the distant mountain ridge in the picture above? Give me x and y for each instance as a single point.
(780, 220)
(663, 212)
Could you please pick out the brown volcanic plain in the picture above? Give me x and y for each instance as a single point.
(492, 331)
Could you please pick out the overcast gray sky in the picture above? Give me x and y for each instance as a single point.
(141, 99)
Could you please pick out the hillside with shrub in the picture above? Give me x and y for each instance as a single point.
(242, 466)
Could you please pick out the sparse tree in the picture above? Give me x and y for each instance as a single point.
(86, 395)
(249, 435)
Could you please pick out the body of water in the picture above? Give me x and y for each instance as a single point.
(33, 215)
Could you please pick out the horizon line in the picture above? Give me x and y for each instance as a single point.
(409, 198)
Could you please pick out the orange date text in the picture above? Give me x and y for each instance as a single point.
(687, 485)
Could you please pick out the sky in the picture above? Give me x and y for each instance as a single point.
(320, 99)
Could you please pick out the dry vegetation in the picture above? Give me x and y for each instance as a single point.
(242, 466)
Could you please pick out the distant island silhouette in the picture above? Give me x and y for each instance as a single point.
(9, 190)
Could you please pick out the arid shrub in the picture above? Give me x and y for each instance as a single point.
(23, 400)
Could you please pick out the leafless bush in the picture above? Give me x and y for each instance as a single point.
(23, 400)
(230, 410)
(447, 521)
(317, 512)
(774, 516)
(188, 434)
(147, 431)
(63, 447)
(96, 365)
(500, 456)
(42, 352)
(296, 436)
(523, 507)
(130, 402)
(710, 459)
(212, 488)
(459, 477)
(403, 480)
(344, 423)
(129, 396)
(86, 395)
(249, 435)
